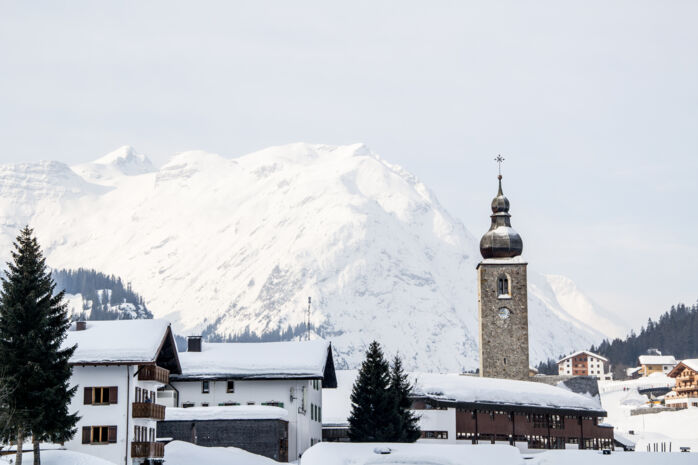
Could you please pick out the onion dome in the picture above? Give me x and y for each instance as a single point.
(501, 241)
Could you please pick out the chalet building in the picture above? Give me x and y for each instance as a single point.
(118, 367)
(460, 409)
(288, 375)
(584, 363)
(685, 392)
(650, 364)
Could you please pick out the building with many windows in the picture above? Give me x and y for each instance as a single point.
(650, 364)
(685, 391)
(118, 367)
(584, 363)
(287, 375)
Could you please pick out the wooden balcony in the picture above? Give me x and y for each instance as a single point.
(687, 388)
(148, 410)
(147, 450)
(153, 373)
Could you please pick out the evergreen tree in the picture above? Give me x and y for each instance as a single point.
(33, 325)
(406, 422)
(372, 413)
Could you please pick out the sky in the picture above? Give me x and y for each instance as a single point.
(594, 105)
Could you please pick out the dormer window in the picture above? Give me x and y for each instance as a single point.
(503, 287)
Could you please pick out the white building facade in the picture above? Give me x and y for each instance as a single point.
(585, 363)
(289, 375)
(118, 367)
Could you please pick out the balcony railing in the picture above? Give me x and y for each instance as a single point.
(153, 373)
(147, 450)
(148, 410)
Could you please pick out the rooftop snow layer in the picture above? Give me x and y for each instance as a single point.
(657, 360)
(295, 359)
(117, 341)
(580, 352)
(459, 388)
(235, 412)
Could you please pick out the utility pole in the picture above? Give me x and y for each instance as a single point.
(307, 325)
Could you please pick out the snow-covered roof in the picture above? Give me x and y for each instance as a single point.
(294, 359)
(235, 412)
(580, 352)
(691, 363)
(122, 341)
(500, 392)
(657, 360)
(631, 371)
(338, 453)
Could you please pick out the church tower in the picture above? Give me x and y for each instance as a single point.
(502, 297)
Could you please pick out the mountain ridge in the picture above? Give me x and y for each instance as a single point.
(236, 245)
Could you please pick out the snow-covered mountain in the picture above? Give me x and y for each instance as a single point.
(222, 245)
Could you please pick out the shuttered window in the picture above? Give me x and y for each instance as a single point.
(98, 434)
(101, 395)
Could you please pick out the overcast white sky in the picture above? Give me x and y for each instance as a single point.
(593, 103)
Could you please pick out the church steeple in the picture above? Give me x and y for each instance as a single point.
(501, 241)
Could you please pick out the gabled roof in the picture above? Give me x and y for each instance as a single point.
(583, 352)
(260, 360)
(114, 342)
(501, 392)
(690, 363)
(657, 360)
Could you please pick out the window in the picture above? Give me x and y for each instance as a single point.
(230, 386)
(557, 422)
(251, 403)
(539, 421)
(187, 404)
(503, 289)
(204, 404)
(98, 434)
(273, 404)
(205, 388)
(435, 434)
(100, 395)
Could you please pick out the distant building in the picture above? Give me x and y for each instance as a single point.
(288, 375)
(634, 372)
(118, 367)
(650, 364)
(462, 409)
(685, 392)
(584, 363)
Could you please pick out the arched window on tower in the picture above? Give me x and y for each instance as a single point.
(503, 287)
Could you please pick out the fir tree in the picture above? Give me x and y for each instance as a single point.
(33, 324)
(372, 415)
(406, 422)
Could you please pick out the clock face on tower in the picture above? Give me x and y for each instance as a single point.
(504, 313)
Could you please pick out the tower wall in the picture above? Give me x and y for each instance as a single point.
(503, 341)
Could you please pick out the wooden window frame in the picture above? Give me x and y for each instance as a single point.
(109, 395)
(205, 387)
(107, 434)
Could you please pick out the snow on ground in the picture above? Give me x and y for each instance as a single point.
(58, 457)
(618, 398)
(333, 453)
(235, 412)
(593, 457)
(184, 453)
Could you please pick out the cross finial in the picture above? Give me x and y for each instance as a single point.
(499, 160)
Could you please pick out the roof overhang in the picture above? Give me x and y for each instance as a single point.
(511, 407)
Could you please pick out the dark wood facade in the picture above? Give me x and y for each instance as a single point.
(540, 428)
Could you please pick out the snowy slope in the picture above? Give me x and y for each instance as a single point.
(226, 245)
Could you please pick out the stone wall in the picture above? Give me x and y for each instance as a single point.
(503, 340)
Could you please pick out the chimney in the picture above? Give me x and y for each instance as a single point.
(80, 325)
(194, 344)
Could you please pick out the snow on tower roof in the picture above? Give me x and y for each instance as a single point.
(294, 359)
(117, 341)
(500, 392)
(657, 360)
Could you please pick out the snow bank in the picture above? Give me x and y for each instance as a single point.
(117, 341)
(593, 457)
(459, 388)
(184, 453)
(259, 359)
(328, 453)
(58, 457)
(235, 412)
